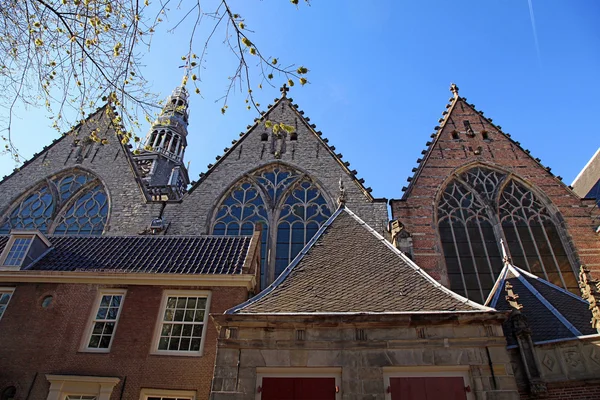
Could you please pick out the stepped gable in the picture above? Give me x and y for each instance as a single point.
(476, 137)
(144, 254)
(349, 268)
(551, 311)
(285, 101)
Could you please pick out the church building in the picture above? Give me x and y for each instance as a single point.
(120, 278)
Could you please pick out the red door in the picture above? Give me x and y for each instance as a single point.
(428, 388)
(298, 389)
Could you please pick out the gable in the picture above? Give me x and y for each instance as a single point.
(349, 268)
(107, 159)
(305, 151)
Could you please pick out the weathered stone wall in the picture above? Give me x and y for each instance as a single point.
(129, 213)
(571, 364)
(363, 362)
(307, 154)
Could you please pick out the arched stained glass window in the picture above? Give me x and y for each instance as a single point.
(472, 256)
(286, 203)
(240, 212)
(72, 196)
(275, 181)
(302, 213)
(69, 184)
(475, 210)
(33, 212)
(533, 238)
(86, 216)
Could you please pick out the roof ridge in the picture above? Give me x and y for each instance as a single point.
(443, 122)
(436, 136)
(418, 269)
(235, 143)
(53, 143)
(311, 128)
(289, 268)
(550, 284)
(521, 277)
(547, 304)
(492, 298)
(379, 237)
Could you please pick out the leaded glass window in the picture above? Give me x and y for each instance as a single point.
(76, 201)
(286, 203)
(33, 212)
(533, 238)
(86, 216)
(302, 213)
(475, 210)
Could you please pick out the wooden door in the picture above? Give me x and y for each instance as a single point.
(428, 388)
(298, 389)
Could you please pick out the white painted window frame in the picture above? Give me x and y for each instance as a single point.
(180, 394)
(10, 291)
(9, 247)
(92, 316)
(425, 372)
(159, 322)
(299, 372)
(62, 386)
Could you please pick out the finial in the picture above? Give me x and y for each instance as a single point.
(284, 89)
(342, 195)
(505, 257)
(454, 89)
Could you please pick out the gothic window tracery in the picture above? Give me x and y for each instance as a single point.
(479, 207)
(76, 200)
(286, 203)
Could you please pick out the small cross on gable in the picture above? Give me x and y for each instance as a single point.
(284, 89)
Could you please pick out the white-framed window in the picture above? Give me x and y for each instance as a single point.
(103, 321)
(439, 382)
(17, 251)
(160, 394)
(73, 387)
(5, 296)
(182, 321)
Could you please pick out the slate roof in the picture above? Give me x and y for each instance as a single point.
(144, 254)
(552, 312)
(349, 268)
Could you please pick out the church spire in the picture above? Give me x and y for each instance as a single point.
(168, 133)
(160, 161)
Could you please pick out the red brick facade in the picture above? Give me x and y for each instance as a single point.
(447, 155)
(566, 391)
(38, 341)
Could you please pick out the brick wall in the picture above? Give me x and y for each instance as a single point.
(568, 391)
(417, 209)
(38, 341)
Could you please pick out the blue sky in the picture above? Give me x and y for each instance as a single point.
(379, 77)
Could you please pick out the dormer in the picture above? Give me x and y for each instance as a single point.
(23, 248)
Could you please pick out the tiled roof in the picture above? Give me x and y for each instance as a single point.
(349, 268)
(145, 254)
(552, 312)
